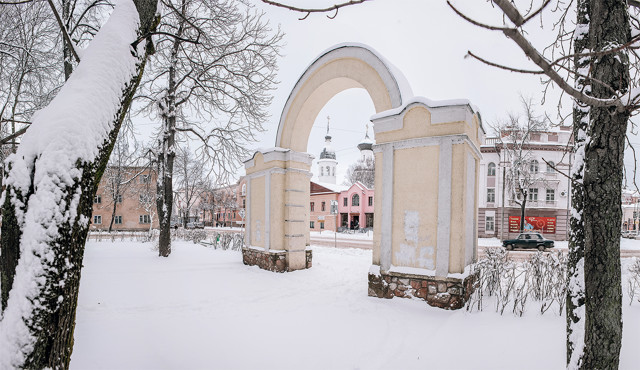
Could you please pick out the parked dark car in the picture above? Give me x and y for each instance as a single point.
(528, 240)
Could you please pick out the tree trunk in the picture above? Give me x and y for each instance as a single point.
(603, 161)
(523, 207)
(575, 298)
(38, 321)
(113, 213)
(167, 155)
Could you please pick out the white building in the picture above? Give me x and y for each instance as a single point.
(327, 162)
(547, 207)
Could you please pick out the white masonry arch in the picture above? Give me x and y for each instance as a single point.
(426, 182)
(342, 67)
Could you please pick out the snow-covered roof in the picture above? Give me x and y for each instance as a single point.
(333, 187)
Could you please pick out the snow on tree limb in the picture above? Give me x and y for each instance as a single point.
(71, 130)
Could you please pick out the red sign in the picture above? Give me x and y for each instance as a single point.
(545, 224)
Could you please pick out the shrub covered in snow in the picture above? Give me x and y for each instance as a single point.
(510, 284)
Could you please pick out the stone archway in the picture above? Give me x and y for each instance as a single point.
(426, 181)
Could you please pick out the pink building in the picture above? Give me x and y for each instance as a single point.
(355, 207)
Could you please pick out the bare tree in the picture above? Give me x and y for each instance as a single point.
(523, 172)
(214, 67)
(146, 193)
(121, 173)
(29, 65)
(363, 170)
(190, 183)
(50, 186)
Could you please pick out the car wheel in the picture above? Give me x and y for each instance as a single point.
(509, 247)
(541, 248)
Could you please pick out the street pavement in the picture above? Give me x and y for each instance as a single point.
(346, 242)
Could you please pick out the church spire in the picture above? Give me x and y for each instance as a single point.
(327, 136)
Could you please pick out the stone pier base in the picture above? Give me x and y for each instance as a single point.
(448, 293)
(272, 260)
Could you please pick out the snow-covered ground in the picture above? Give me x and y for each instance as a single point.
(203, 309)
(330, 235)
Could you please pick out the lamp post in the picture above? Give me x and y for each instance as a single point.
(334, 212)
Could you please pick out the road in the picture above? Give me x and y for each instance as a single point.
(519, 255)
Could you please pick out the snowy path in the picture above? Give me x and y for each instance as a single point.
(203, 309)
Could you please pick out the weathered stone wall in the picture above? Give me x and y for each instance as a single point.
(447, 293)
(275, 261)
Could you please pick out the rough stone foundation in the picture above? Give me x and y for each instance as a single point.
(275, 261)
(447, 293)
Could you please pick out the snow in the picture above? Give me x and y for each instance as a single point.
(202, 308)
(429, 103)
(71, 128)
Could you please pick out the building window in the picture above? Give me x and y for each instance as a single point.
(118, 220)
(244, 203)
(369, 217)
(145, 219)
(321, 225)
(328, 171)
(145, 179)
(321, 171)
(244, 189)
(551, 195)
(97, 220)
(491, 195)
(489, 224)
(370, 201)
(550, 166)
(234, 214)
(355, 200)
(491, 169)
(313, 206)
(312, 225)
(533, 195)
(119, 198)
(322, 207)
(533, 167)
(97, 199)
(344, 203)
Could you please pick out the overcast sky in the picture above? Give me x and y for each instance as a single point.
(426, 41)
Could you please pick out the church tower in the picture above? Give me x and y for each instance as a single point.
(327, 162)
(366, 146)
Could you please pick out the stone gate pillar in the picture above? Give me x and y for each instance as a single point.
(277, 220)
(426, 182)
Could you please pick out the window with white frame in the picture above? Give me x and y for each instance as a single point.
(533, 195)
(355, 200)
(119, 198)
(551, 195)
(97, 219)
(534, 166)
(97, 199)
(489, 223)
(550, 166)
(491, 195)
(244, 189)
(118, 220)
(491, 169)
(312, 225)
(145, 219)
